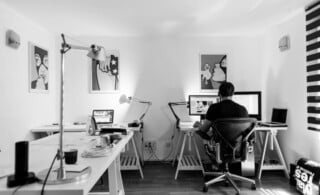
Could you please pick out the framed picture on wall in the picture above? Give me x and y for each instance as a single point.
(104, 76)
(38, 69)
(213, 71)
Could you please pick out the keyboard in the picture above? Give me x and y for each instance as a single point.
(112, 128)
(106, 126)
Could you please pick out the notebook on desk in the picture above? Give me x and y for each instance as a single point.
(278, 118)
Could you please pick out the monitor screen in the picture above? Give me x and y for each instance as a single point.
(199, 104)
(251, 100)
(103, 116)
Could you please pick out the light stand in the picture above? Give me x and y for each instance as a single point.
(61, 175)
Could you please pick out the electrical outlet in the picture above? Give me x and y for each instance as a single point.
(150, 145)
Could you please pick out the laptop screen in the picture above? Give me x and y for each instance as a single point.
(103, 116)
(279, 115)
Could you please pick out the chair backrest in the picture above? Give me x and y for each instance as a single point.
(233, 135)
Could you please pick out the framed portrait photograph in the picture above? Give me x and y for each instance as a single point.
(104, 75)
(38, 69)
(213, 71)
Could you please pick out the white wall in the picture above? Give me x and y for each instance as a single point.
(285, 82)
(161, 69)
(21, 110)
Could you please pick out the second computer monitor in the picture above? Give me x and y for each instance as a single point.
(199, 104)
(251, 100)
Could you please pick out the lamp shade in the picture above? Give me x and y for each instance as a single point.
(124, 99)
(97, 53)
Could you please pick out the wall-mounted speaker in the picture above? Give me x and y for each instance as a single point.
(12, 39)
(284, 43)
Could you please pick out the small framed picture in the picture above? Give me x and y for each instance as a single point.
(104, 75)
(38, 69)
(213, 71)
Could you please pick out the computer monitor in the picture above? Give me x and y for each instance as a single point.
(199, 104)
(103, 116)
(251, 100)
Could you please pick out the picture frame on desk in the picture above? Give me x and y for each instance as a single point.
(213, 71)
(38, 69)
(104, 76)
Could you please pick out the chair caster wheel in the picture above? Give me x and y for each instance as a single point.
(205, 188)
(253, 187)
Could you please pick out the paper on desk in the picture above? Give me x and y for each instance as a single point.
(95, 153)
(96, 150)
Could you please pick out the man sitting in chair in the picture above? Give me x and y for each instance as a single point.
(225, 108)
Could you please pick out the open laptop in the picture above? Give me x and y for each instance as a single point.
(103, 122)
(278, 118)
(103, 118)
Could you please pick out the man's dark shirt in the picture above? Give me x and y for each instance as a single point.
(225, 109)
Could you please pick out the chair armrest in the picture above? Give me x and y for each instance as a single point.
(218, 153)
(247, 149)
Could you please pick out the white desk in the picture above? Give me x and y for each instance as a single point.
(187, 162)
(51, 129)
(127, 162)
(271, 139)
(42, 151)
(192, 163)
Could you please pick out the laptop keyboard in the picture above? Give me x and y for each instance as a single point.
(106, 126)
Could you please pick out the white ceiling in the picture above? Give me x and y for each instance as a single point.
(149, 17)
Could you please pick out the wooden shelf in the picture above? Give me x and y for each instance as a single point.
(129, 163)
(190, 162)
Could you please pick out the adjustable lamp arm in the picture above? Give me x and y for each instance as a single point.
(66, 47)
(141, 102)
(125, 99)
(146, 110)
(171, 104)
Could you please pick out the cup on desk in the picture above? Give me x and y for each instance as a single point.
(71, 156)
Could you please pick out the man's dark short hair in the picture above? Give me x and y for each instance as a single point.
(226, 89)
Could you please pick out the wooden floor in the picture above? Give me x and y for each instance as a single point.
(159, 180)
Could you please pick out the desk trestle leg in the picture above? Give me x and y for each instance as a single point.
(115, 179)
(176, 149)
(189, 162)
(131, 162)
(180, 156)
(281, 165)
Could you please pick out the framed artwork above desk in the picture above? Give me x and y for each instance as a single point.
(213, 71)
(104, 76)
(38, 69)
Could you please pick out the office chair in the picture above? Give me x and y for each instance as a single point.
(232, 140)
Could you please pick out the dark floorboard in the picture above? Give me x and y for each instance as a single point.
(159, 180)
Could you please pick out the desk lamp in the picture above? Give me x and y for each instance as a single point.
(96, 53)
(171, 104)
(125, 99)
